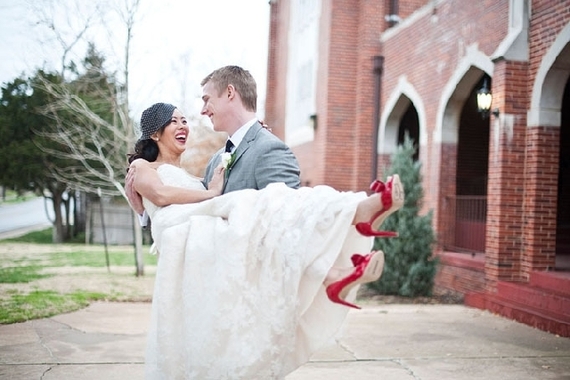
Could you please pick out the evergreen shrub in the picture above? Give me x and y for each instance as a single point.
(409, 269)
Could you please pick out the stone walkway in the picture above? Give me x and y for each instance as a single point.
(394, 342)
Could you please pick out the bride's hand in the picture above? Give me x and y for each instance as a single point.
(216, 184)
(134, 198)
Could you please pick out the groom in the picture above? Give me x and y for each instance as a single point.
(259, 157)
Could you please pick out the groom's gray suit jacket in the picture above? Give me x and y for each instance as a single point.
(260, 159)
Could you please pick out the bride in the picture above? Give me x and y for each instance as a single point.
(251, 283)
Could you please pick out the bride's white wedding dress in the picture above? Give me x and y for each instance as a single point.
(239, 286)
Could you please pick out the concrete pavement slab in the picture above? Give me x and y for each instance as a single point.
(440, 331)
(109, 317)
(360, 370)
(19, 343)
(396, 342)
(17, 372)
(104, 371)
(505, 368)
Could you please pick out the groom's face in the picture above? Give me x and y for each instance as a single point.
(216, 106)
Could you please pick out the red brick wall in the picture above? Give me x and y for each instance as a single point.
(275, 103)
(459, 273)
(367, 47)
(306, 159)
(406, 8)
(445, 223)
(543, 145)
(523, 162)
(342, 127)
(428, 52)
(345, 105)
(541, 185)
(506, 176)
(548, 19)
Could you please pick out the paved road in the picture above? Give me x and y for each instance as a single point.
(24, 216)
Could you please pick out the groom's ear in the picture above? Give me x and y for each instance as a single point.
(231, 91)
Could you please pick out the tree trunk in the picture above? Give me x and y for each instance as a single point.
(67, 204)
(58, 231)
(79, 212)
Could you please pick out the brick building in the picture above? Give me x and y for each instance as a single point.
(347, 78)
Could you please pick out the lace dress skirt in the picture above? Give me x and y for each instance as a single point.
(238, 291)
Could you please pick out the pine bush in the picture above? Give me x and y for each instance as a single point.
(409, 269)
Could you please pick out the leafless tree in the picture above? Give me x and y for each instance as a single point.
(98, 146)
(65, 25)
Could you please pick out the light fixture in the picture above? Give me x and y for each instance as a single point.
(484, 99)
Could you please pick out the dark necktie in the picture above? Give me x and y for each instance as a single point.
(229, 146)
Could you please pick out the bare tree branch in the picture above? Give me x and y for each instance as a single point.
(87, 139)
(68, 22)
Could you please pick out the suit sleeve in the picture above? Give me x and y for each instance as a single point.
(277, 163)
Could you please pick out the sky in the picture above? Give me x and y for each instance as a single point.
(175, 44)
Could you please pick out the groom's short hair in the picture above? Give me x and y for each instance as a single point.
(241, 79)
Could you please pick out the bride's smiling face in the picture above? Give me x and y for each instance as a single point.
(173, 137)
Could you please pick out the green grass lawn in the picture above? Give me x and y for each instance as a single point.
(42, 237)
(44, 303)
(39, 279)
(24, 274)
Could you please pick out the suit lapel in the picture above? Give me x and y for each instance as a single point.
(245, 144)
(248, 139)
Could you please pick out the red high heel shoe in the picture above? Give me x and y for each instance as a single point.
(392, 199)
(367, 269)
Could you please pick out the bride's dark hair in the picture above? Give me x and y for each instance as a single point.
(145, 149)
(154, 119)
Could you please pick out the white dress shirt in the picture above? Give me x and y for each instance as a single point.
(238, 135)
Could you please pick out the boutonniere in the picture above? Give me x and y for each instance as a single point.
(227, 161)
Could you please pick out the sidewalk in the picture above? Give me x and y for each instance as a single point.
(393, 342)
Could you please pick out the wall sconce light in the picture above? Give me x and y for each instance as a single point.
(484, 101)
(313, 121)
